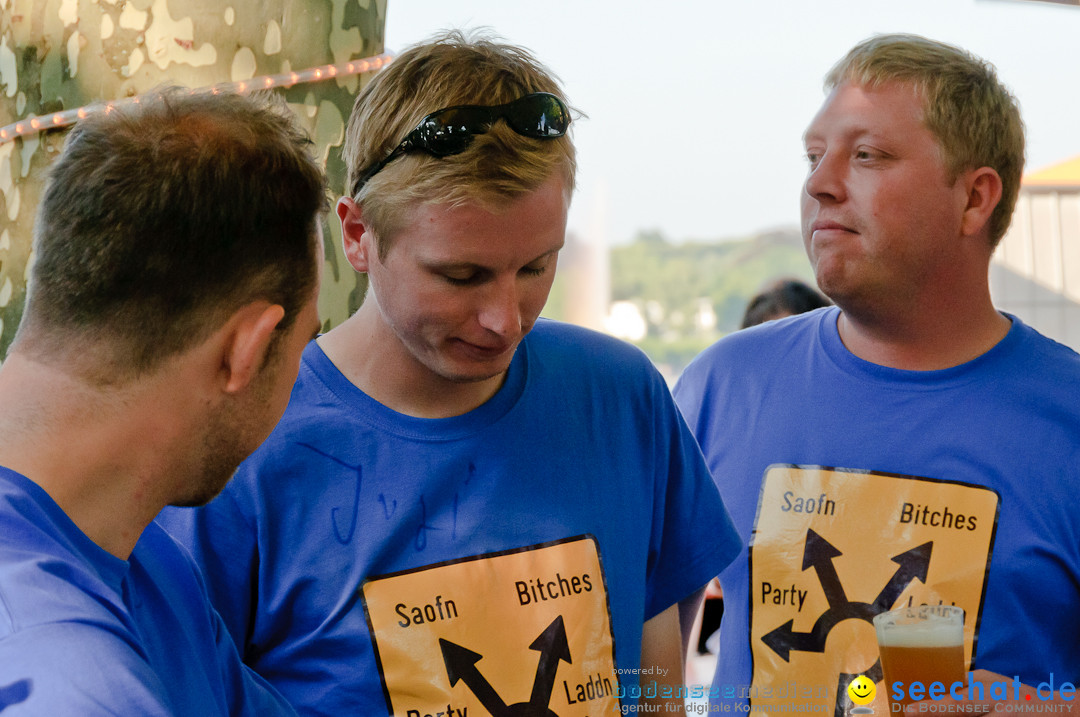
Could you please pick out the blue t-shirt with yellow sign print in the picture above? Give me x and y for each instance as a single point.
(856, 488)
(364, 559)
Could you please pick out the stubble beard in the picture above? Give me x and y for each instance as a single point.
(230, 434)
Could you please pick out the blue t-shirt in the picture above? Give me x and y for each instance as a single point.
(83, 632)
(990, 447)
(354, 529)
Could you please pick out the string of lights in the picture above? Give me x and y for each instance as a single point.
(32, 125)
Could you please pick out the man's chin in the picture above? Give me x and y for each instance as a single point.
(203, 494)
(462, 377)
(194, 501)
(472, 371)
(191, 502)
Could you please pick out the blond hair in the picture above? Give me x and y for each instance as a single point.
(450, 69)
(973, 115)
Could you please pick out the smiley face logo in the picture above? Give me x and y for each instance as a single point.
(861, 690)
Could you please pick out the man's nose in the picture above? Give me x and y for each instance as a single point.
(500, 311)
(827, 177)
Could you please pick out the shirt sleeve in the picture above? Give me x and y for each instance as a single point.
(224, 546)
(42, 672)
(250, 695)
(693, 536)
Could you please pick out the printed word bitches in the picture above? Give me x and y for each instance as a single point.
(936, 518)
(540, 590)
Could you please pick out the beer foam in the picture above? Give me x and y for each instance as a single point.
(929, 634)
(926, 626)
(941, 635)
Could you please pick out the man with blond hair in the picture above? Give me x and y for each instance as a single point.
(466, 510)
(912, 445)
(174, 286)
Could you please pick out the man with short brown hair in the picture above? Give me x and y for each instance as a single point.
(177, 256)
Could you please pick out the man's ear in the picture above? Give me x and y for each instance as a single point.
(356, 236)
(983, 187)
(245, 341)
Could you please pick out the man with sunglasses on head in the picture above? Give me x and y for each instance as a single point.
(466, 510)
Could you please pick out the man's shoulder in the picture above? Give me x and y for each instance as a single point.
(75, 667)
(59, 624)
(44, 581)
(1035, 340)
(755, 347)
(1040, 359)
(555, 340)
(581, 362)
(50, 572)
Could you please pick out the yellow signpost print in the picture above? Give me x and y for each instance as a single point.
(510, 634)
(832, 548)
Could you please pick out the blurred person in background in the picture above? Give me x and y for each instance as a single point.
(786, 297)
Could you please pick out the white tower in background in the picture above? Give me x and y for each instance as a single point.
(586, 267)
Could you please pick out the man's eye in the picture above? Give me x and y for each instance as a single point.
(534, 270)
(812, 158)
(460, 280)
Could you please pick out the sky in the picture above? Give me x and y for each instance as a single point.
(695, 109)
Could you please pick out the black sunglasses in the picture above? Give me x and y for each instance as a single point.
(448, 131)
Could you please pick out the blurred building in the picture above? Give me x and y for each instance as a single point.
(585, 272)
(1036, 269)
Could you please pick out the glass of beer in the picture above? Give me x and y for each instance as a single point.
(923, 644)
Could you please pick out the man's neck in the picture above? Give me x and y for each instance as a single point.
(372, 358)
(88, 450)
(922, 340)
